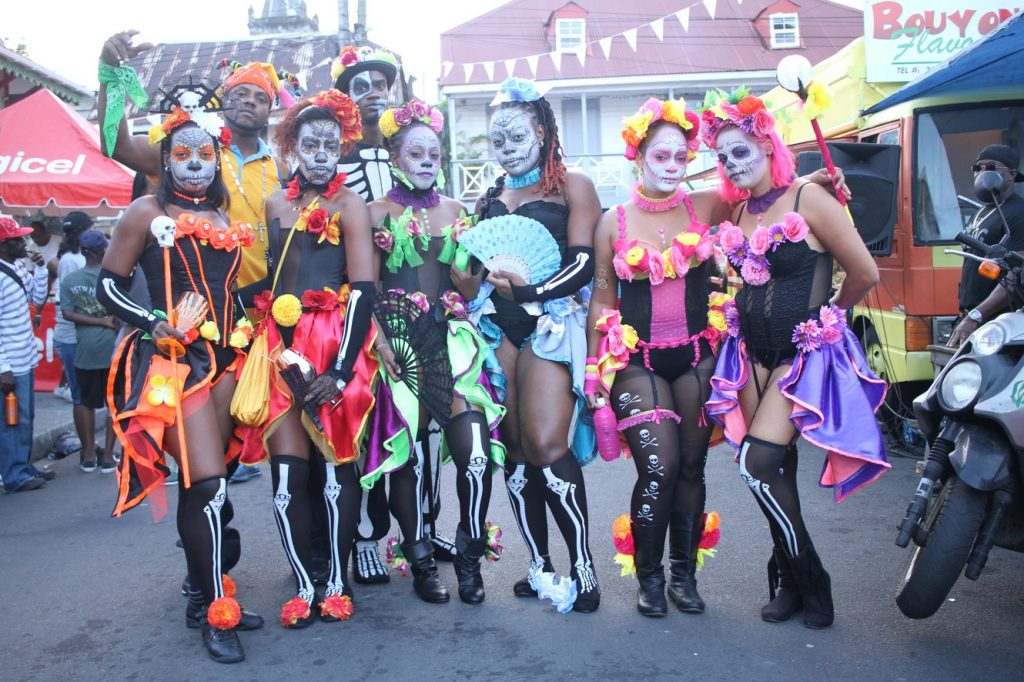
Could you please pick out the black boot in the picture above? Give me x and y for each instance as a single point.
(444, 548)
(223, 646)
(425, 580)
(782, 590)
(683, 544)
(815, 588)
(649, 543)
(467, 566)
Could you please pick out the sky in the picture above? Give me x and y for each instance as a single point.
(66, 36)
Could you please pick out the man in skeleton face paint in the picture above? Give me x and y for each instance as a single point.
(367, 76)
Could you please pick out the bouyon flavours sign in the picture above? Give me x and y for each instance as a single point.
(905, 38)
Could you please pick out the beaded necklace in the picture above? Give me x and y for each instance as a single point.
(237, 177)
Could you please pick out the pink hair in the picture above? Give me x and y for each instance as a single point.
(783, 165)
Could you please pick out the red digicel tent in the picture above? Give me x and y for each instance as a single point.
(50, 156)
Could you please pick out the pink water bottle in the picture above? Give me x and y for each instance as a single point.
(606, 425)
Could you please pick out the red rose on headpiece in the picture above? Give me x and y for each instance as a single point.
(349, 56)
(749, 105)
(317, 221)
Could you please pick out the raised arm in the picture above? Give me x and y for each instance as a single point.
(118, 82)
(830, 224)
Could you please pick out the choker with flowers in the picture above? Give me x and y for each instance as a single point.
(299, 184)
(646, 203)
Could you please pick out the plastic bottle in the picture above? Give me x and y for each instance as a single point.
(606, 426)
(11, 409)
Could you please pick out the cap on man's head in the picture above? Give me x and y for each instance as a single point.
(76, 221)
(352, 60)
(259, 74)
(9, 228)
(1008, 156)
(93, 241)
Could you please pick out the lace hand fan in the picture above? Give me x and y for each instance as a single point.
(421, 352)
(516, 244)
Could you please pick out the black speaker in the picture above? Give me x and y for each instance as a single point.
(872, 171)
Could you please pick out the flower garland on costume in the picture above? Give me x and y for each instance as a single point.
(688, 249)
(316, 220)
(400, 238)
(415, 110)
(828, 328)
(636, 127)
(750, 256)
(178, 117)
(286, 309)
(236, 235)
(450, 252)
(625, 550)
(739, 108)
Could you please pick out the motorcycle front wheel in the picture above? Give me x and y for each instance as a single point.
(952, 524)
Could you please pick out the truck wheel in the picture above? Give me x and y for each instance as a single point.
(952, 524)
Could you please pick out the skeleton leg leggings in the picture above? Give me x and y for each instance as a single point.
(341, 497)
(525, 485)
(469, 443)
(290, 476)
(201, 528)
(566, 495)
(428, 450)
(405, 498)
(769, 470)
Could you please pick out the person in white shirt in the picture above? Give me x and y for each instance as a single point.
(19, 355)
(64, 339)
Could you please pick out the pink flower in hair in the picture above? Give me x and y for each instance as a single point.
(762, 122)
(794, 226)
(654, 106)
(402, 116)
(419, 109)
(760, 241)
(436, 121)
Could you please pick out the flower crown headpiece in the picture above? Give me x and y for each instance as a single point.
(738, 108)
(519, 90)
(203, 115)
(635, 127)
(345, 112)
(396, 118)
(351, 56)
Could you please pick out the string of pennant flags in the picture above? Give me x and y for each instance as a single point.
(630, 36)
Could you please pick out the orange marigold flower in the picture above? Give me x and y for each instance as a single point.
(293, 611)
(224, 613)
(622, 526)
(230, 588)
(337, 605)
(749, 105)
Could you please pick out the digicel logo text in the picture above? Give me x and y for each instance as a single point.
(34, 164)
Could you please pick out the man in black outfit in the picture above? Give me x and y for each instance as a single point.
(981, 298)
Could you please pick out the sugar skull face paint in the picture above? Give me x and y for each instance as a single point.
(663, 164)
(319, 150)
(742, 157)
(369, 89)
(515, 141)
(419, 156)
(193, 160)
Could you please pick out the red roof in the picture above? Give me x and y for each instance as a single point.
(50, 154)
(732, 41)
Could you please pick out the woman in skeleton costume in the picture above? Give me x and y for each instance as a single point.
(543, 357)
(417, 239)
(789, 364)
(172, 381)
(652, 345)
(315, 307)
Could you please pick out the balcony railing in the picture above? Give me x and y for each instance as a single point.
(613, 175)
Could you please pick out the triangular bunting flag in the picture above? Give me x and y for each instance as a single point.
(581, 54)
(446, 68)
(467, 71)
(710, 6)
(556, 60)
(630, 37)
(658, 26)
(510, 67)
(683, 16)
(489, 70)
(606, 46)
(531, 61)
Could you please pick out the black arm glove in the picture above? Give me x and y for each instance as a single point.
(112, 291)
(575, 274)
(357, 323)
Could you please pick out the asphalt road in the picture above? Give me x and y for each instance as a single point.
(88, 597)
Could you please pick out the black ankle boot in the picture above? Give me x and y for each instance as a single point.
(194, 609)
(425, 580)
(223, 646)
(523, 588)
(649, 544)
(467, 566)
(783, 593)
(683, 544)
(444, 549)
(815, 588)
